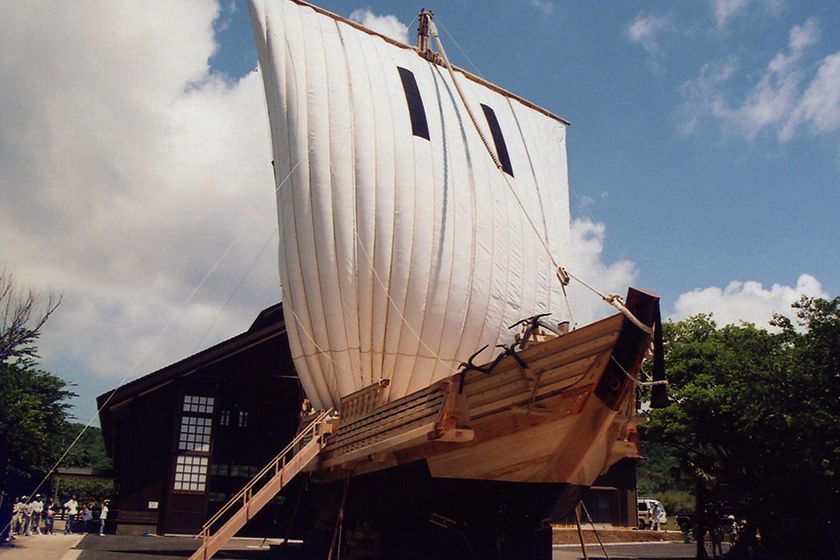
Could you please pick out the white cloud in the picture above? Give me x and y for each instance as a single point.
(586, 262)
(126, 170)
(727, 9)
(780, 102)
(819, 105)
(746, 301)
(545, 7)
(704, 93)
(387, 25)
(771, 101)
(645, 31)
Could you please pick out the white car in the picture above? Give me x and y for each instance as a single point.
(647, 509)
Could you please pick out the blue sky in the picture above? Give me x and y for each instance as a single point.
(704, 158)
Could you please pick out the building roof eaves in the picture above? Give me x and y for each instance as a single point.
(188, 365)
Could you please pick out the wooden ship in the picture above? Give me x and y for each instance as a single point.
(424, 218)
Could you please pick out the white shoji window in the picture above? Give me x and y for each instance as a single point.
(224, 418)
(201, 405)
(243, 418)
(195, 434)
(190, 473)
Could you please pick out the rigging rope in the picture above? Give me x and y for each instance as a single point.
(315, 344)
(616, 301)
(384, 288)
(381, 284)
(636, 380)
(274, 232)
(490, 151)
(393, 303)
(563, 276)
(464, 54)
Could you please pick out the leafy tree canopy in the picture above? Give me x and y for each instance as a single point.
(33, 411)
(754, 424)
(89, 451)
(34, 426)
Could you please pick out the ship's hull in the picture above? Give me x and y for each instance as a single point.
(477, 465)
(559, 411)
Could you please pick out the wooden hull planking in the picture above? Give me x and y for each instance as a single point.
(566, 417)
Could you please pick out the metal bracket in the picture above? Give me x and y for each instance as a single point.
(487, 370)
(531, 325)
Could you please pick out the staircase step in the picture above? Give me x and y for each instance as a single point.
(294, 458)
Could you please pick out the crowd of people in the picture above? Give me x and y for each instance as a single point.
(36, 517)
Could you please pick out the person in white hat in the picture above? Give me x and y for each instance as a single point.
(37, 510)
(26, 512)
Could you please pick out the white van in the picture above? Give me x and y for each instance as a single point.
(647, 507)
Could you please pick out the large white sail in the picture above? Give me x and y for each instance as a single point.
(402, 249)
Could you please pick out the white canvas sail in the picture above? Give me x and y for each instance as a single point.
(402, 250)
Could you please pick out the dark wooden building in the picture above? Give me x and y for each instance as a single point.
(184, 438)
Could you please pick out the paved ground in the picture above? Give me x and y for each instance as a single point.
(111, 547)
(42, 547)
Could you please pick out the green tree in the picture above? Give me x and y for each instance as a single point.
(754, 425)
(33, 403)
(656, 479)
(33, 411)
(89, 451)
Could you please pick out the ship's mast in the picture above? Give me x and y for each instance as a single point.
(425, 19)
(425, 31)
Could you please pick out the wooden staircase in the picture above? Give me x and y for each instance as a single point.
(263, 487)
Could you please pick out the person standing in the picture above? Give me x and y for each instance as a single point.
(26, 512)
(655, 517)
(71, 507)
(49, 517)
(87, 517)
(103, 515)
(17, 517)
(37, 511)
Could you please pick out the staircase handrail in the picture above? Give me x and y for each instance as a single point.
(272, 465)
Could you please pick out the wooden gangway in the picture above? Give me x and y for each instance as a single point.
(294, 458)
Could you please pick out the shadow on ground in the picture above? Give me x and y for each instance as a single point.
(117, 547)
